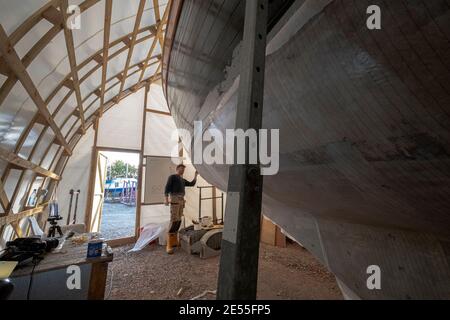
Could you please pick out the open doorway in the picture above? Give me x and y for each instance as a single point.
(114, 209)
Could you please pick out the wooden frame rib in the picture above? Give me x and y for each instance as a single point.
(17, 161)
(106, 36)
(17, 35)
(159, 33)
(24, 214)
(72, 61)
(15, 69)
(15, 64)
(156, 11)
(4, 201)
(132, 44)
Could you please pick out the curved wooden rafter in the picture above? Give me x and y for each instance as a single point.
(95, 68)
(68, 35)
(173, 12)
(55, 13)
(27, 26)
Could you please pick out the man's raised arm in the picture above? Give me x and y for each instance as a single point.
(191, 183)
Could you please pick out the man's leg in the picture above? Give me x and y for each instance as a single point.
(175, 223)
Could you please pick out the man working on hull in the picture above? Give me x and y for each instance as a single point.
(175, 188)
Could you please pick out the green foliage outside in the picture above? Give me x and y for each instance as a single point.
(120, 169)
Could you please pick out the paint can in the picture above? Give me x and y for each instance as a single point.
(95, 248)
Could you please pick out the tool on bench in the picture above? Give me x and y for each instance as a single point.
(71, 192)
(76, 207)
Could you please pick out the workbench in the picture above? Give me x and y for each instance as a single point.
(52, 275)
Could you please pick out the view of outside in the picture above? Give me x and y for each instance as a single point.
(119, 208)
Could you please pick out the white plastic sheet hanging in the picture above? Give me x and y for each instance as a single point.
(150, 233)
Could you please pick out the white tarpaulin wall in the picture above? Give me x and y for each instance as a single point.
(115, 132)
(156, 172)
(76, 177)
(127, 117)
(160, 141)
(44, 128)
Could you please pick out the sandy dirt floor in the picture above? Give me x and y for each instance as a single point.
(290, 273)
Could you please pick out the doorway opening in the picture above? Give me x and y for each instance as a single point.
(114, 209)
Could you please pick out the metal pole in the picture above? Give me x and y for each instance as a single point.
(200, 206)
(214, 204)
(222, 209)
(71, 192)
(238, 273)
(76, 207)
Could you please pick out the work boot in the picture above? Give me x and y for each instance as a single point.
(170, 243)
(175, 241)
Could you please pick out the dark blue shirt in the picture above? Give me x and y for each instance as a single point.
(176, 185)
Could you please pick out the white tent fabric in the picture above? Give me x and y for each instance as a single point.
(116, 132)
(34, 29)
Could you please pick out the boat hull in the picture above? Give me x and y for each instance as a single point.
(364, 119)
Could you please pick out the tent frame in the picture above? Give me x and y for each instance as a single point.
(55, 12)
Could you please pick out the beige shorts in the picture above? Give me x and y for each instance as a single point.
(177, 204)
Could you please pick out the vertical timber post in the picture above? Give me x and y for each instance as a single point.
(238, 273)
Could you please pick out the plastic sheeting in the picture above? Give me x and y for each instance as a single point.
(149, 234)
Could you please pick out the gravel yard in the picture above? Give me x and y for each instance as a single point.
(118, 221)
(290, 273)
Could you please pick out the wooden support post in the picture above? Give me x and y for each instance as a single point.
(97, 283)
(238, 273)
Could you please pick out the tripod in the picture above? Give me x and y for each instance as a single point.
(54, 228)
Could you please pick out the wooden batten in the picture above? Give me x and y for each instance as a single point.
(72, 61)
(53, 16)
(127, 41)
(4, 201)
(68, 83)
(132, 44)
(11, 218)
(4, 70)
(14, 159)
(98, 58)
(271, 234)
(106, 36)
